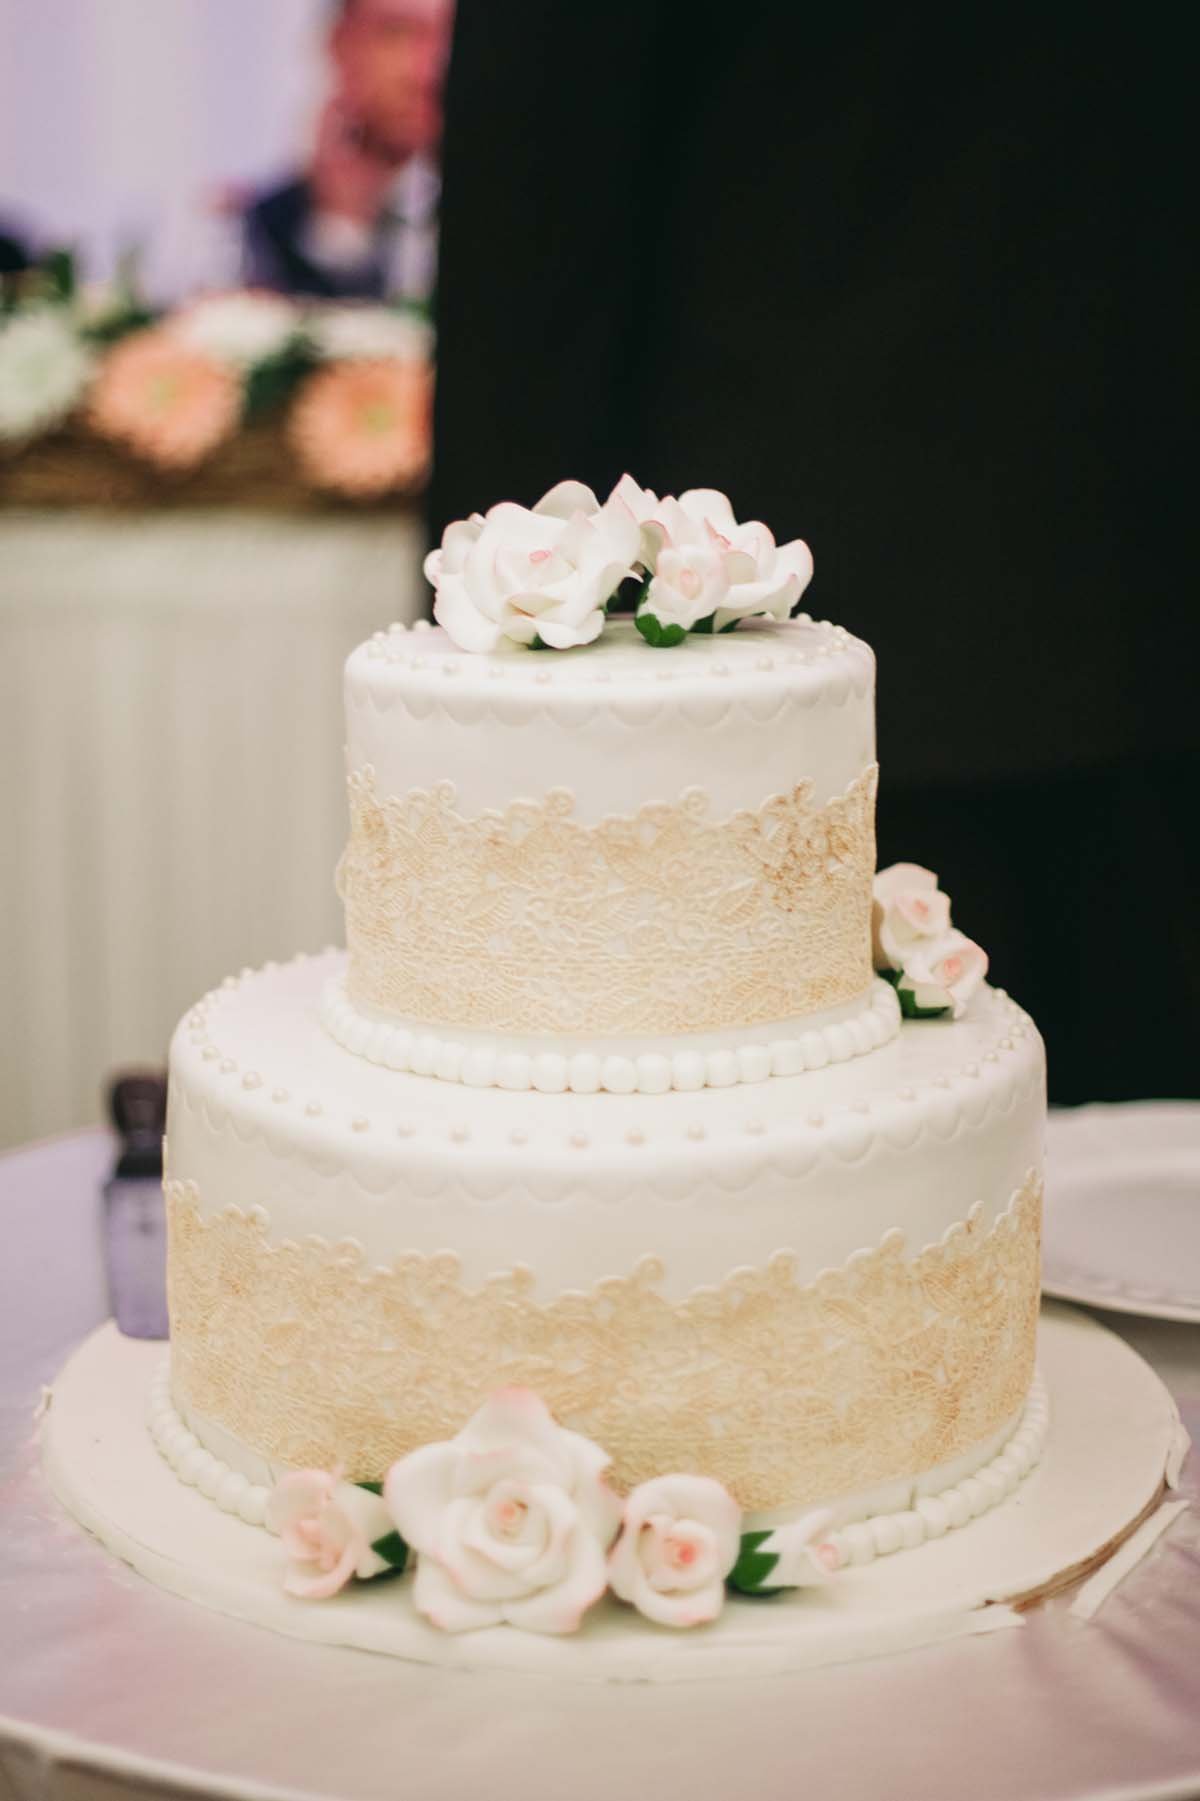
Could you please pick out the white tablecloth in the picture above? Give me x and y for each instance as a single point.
(171, 777)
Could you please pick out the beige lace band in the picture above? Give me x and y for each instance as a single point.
(785, 1391)
(526, 921)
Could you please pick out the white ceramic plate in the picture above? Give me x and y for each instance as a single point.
(1123, 1207)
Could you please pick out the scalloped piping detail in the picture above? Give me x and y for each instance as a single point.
(518, 688)
(580, 712)
(931, 1516)
(492, 1064)
(860, 1542)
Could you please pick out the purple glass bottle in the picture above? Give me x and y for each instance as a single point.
(135, 1236)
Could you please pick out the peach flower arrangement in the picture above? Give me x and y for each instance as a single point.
(361, 428)
(162, 400)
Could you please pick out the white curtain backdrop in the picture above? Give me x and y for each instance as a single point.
(121, 119)
(172, 792)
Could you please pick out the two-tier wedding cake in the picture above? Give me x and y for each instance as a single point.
(649, 1196)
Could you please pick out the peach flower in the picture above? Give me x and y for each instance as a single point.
(163, 401)
(362, 428)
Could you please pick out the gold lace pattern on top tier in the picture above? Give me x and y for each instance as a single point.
(527, 920)
(785, 1391)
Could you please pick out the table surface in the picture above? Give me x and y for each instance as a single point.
(109, 1686)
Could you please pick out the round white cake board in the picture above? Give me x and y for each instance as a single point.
(1112, 1434)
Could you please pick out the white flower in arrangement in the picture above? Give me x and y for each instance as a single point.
(804, 1557)
(689, 584)
(644, 504)
(238, 329)
(941, 973)
(510, 1520)
(935, 968)
(908, 906)
(680, 1540)
(329, 1528)
(356, 332)
(522, 574)
(761, 578)
(44, 367)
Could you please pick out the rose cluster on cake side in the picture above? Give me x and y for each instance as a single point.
(545, 576)
(934, 968)
(512, 1522)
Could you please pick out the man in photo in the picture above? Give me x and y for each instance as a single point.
(361, 221)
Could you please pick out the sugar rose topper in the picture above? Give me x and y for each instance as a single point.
(545, 577)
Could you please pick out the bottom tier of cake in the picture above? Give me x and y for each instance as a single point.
(1113, 1437)
(820, 1289)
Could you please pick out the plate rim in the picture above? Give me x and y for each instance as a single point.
(1072, 1283)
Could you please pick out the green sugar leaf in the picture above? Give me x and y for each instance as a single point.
(908, 1006)
(661, 637)
(392, 1548)
(749, 1574)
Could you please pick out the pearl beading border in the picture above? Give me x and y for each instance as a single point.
(491, 1065)
(861, 1542)
(193, 1464)
(400, 644)
(854, 1119)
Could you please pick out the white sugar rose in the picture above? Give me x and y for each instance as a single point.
(764, 578)
(680, 1539)
(644, 505)
(689, 584)
(328, 1528)
(942, 972)
(908, 906)
(238, 329)
(510, 1520)
(806, 1558)
(520, 573)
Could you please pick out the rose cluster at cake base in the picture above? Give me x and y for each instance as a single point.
(513, 1523)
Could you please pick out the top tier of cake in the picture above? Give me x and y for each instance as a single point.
(613, 867)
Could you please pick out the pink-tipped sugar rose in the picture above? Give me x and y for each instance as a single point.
(758, 577)
(807, 1558)
(943, 972)
(510, 1520)
(327, 1527)
(362, 428)
(165, 402)
(681, 1538)
(908, 906)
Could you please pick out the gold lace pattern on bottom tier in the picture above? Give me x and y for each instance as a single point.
(785, 1391)
(527, 920)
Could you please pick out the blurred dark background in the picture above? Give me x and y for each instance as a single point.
(909, 283)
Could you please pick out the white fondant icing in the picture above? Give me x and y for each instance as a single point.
(633, 1067)
(618, 723)
(825, 1178)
